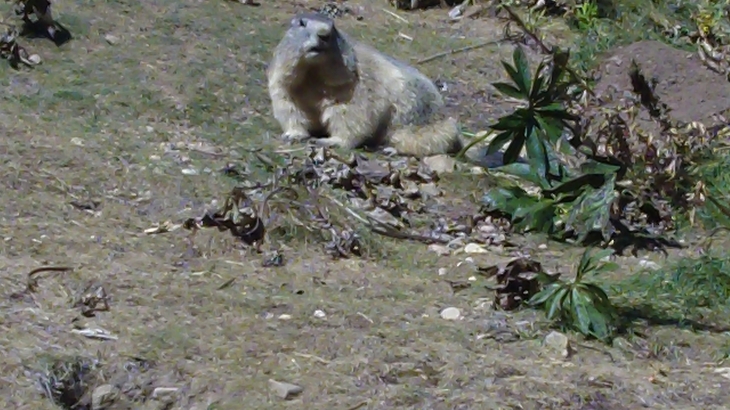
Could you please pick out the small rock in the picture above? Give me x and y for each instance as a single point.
(284, 316)
(77, 141)
(284, 390)
(35, 59)
(622, 344)
(559, 343)
(104, 396)
(439, 249)
(472, 279)
(456, 12)
(487, 228)
(451, 313)
(542, 246)
(443, 271)
(723, 371)
(441, 164)
(163, 392)
(474, 248)
(319, 314)
(430, 190)
(189, 171)
(111, 39)
(468, 259)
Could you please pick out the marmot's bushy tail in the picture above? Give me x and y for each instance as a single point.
(440, 137)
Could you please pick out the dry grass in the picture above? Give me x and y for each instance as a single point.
(92, 123)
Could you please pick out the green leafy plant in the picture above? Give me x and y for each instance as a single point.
(580, 304)
(586, 15)
(540, 120)
(604, 181)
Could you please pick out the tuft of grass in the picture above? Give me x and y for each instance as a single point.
(66, 380)
(693, 292)
(605, 24)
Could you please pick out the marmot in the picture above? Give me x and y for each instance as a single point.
(327, 86)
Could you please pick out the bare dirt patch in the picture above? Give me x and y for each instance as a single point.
(87, 166)
(692, 91)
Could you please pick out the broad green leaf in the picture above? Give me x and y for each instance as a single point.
(537, 156)
(514, 149)
(509, 90)
(574, 185)
(556, 304)
(507, 199)
(600, 323)
(537, 85)
(592, 211)
(583, 265)
(597, 316)
(498, 142)
(544, 295)
(598, 294)
(581, 312)
(523, 69)
(595, 167)
(539, 217)
(514, 75)
(594, 262)
(523, 171)
(514, 122)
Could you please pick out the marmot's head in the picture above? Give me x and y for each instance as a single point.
(317, 35)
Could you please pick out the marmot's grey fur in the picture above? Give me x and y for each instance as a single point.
(327, 86)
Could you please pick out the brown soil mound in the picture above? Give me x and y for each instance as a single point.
(692, 91)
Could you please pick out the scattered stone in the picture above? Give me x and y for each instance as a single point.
(284, 390)
(542, 246)
(443, 271)
(439, 249)
(622, 344)
(104, 396)
(319, 314)
(474, 248)
(559, 342)
(472, 279)
(35, 59)
(723, 371)
(441, 164)
(77, 141)
(284, 316)
(163, 392)
(111, 39)
(189, 171)
(451, 313)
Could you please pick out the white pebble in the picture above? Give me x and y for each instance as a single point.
(451, 313)
(284, 316)
(319, 314)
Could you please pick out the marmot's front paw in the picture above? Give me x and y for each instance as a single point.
(331, 142)
(295, 136)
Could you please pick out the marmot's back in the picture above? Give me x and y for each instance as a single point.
(354, 93)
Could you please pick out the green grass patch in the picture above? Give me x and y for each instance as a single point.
(691, 292)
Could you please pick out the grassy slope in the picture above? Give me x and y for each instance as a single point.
(92, 123)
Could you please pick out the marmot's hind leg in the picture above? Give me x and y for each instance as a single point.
(352, 127)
